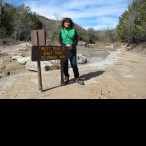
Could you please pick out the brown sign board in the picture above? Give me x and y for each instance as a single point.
(43, 53)
(38, 37)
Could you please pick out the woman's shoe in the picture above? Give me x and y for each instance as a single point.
(80, 82)
(66, 81)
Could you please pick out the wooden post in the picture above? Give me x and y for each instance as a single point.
(62, 76)
(38, 65)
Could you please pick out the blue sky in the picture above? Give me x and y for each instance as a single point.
(97, 14)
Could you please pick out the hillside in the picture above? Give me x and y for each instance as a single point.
(52, 28)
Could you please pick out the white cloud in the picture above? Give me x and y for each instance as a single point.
(99, 27)
(102, 12)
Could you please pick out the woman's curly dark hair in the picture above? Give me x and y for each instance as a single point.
(67, 19)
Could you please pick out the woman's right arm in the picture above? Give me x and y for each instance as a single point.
(60, 40)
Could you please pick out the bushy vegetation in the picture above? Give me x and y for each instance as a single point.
(132, 24)
(17, 22)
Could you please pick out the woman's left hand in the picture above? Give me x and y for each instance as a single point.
(69, 47)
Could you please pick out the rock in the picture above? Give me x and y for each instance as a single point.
(1, 62)
(3, 53)
(81, 43)
(56, 63)
(11, 54)
(88, 45)
(45, 66)
(32, 66)
(48, 65)
(110, 46)
(81, 59)
(23, 60)
(16, 57)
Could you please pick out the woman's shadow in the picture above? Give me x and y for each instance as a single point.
(88, 76)
(84, 77)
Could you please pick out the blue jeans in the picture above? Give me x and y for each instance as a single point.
(73, 61)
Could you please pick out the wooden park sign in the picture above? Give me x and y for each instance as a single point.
(41, 52)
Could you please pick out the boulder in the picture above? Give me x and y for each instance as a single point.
(81, 43)
(45, 66)
(15, 57)
(23, 60)
(81, 59)
(1, 62)
(32, 66)
(11, 54)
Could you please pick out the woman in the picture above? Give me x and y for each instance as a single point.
(68, 38)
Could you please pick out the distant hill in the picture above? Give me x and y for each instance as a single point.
(47, 23)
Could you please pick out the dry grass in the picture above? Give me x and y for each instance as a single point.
(107, 46)
(139, 48)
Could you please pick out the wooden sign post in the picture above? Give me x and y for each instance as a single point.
(41, 52)
(38, 38)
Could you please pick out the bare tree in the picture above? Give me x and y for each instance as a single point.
(54, 29)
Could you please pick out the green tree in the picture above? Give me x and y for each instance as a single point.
(27, 21)
(6, 25)
(17, 22)
(132, 23)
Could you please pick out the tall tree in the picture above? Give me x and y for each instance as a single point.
(132, 24)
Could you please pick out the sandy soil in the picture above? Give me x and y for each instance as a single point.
(120, 76)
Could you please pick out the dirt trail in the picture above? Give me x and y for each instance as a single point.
(122, 79)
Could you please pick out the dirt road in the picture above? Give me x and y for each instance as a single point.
(123, 76)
